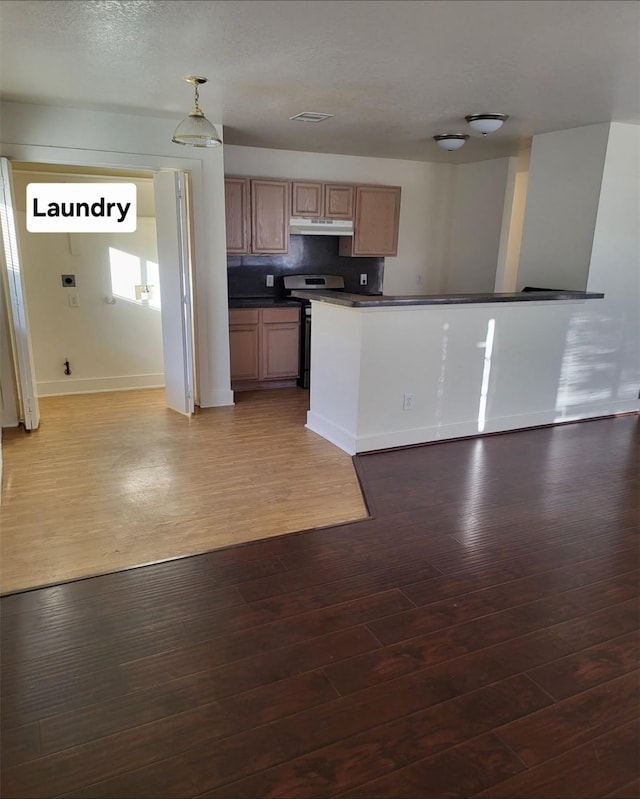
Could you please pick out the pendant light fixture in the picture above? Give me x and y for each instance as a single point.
(196, 130)
(486, 123)
(451, 141)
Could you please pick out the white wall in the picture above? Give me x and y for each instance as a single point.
(470, 368)
(615, 269)
(110, 346)
(47, 134)
(600, 248)
(512, 224)
(336, 359)
(425, 211)
(562, 202)
(546, 361)
(478, 207)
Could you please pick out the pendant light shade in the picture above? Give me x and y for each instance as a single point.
(196, 130)
(486, 123)
(451, 141)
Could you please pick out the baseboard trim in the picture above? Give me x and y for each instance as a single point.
(219, 398)
(332, 432)
(260, 385)
(95, 385)
(562, 423)
(504, 424)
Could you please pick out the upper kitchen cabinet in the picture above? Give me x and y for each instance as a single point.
(257, 215)
(236, 196)
(338, 201)
(258, 211)
(375, 225)
(307, 199)
(270, 214)
(313, 200)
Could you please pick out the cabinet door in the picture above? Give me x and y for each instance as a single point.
(280, 350)
(306, 199)
(236, 197)
(375, 227)
(280, 343)
(338, 201)
(270, 204)
(244, 335)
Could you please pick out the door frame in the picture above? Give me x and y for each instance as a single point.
(17, 312)
(174, 261)
(88, 159)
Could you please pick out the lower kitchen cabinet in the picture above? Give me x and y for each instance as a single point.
(264, 346)
(280, 343)
(244, 340)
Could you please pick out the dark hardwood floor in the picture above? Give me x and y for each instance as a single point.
(477, 637)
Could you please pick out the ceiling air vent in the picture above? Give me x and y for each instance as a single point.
(311, 116)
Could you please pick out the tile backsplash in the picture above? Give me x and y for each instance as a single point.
(307, 255)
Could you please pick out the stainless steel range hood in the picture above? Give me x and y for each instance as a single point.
(320, 227)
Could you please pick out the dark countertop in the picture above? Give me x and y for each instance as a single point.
(362, 301)
(262, 302)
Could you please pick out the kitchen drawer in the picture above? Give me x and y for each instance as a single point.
(272, 315)
(243, 316)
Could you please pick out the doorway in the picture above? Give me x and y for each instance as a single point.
(92, 327)
(97, 314)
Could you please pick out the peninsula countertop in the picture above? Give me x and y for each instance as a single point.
(385, 300)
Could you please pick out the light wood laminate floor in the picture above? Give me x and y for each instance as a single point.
(115, 480)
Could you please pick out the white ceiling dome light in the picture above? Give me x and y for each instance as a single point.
(196, 130)
(451, 141)
(486, 123)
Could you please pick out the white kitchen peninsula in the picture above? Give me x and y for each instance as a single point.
(395, 371)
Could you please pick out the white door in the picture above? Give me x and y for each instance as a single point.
(175, 288)
(29, 410)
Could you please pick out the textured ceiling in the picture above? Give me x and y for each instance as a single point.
(393, 73)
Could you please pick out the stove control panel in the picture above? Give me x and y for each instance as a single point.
(311, 282)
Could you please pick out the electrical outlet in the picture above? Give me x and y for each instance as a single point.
(419, 280)
(408, 403)
(269, 281)
(363, 279)
(74, 300)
